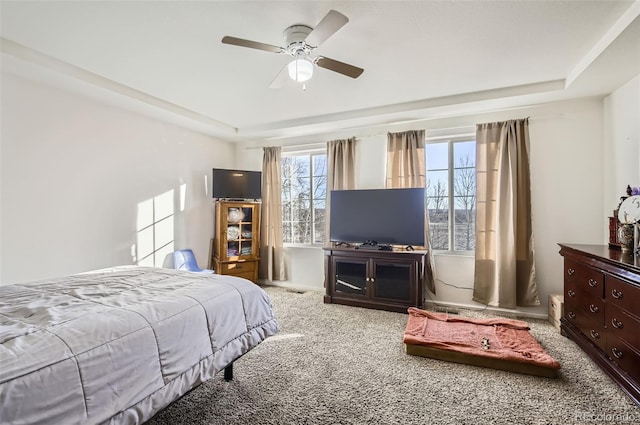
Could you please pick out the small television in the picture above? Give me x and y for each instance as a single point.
(236, 184)
(384, 216)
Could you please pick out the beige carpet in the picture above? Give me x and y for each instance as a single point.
(333, 364)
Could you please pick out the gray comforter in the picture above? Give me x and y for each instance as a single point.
(116, 346)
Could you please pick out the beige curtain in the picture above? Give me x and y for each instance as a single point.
(406, 167)
(504, 265)
(271, 250)
(340, 173)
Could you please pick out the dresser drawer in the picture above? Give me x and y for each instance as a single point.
(623, 294)
(624, 356)
(580, 303)
(622, 325)
(583, 277)
(592, 330)
(238, 268)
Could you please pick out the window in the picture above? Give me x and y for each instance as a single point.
(304, 193)
(451, 194)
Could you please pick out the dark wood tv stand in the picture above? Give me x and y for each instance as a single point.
(384, 280)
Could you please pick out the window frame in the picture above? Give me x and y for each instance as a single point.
(311, 153)
(451, 196)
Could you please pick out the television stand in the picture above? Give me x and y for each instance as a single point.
(373, 278)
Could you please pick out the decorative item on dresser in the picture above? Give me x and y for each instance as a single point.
(237, 239)
(621, 216)
(602, 310)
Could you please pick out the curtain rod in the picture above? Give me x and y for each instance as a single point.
(322, 144)
(317, 145)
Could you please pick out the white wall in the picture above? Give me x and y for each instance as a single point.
(74, 171)
(567, 195)
(622, 143)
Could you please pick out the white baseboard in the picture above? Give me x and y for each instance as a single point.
(505, 311)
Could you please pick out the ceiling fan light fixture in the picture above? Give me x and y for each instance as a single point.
(300, 70)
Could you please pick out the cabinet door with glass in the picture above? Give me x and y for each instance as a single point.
(237, 230)
(393, 280)
(351, 277)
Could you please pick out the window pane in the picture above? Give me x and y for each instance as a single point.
(320, 165)
(318, 236)
(465, 239)
(320, 187)
(286, 211)
(301, 232)
(301, 165)
(304, 190)
(301, 210)
(446, 203)
(464, 154)
(439, 232)
(464, 182)
(286, 188)
(286, 232)
(301, 188)
(286, 166)
(437, 156)
(465, 209)
(438, 184)
(318, 219)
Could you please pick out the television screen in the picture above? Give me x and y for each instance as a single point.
(386, 216)
(236, 184)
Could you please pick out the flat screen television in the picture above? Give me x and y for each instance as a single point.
(236, 184)
(386, 216)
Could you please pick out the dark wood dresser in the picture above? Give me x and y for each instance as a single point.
(602, 310)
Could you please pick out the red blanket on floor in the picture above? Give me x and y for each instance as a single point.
(499, 338)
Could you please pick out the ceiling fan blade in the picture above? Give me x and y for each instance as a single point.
(251, 44)
(281, 79)
(339, 67)
(328, 26)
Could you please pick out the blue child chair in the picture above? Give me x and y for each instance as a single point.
(183, 259)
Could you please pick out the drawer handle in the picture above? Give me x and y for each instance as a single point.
(571, 272)
(572, 315)
(593, 308)
(616, 294)
(617, 324)
(593, 283)
(616, 353)
(571, 293)
(594, 334)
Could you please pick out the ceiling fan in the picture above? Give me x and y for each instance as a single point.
(300, 41)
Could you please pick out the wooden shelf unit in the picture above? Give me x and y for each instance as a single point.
(237, 239)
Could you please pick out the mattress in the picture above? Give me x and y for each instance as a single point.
(498, 343)
(116, 346)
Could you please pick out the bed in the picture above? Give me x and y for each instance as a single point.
(116, 346)
(497, 343)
